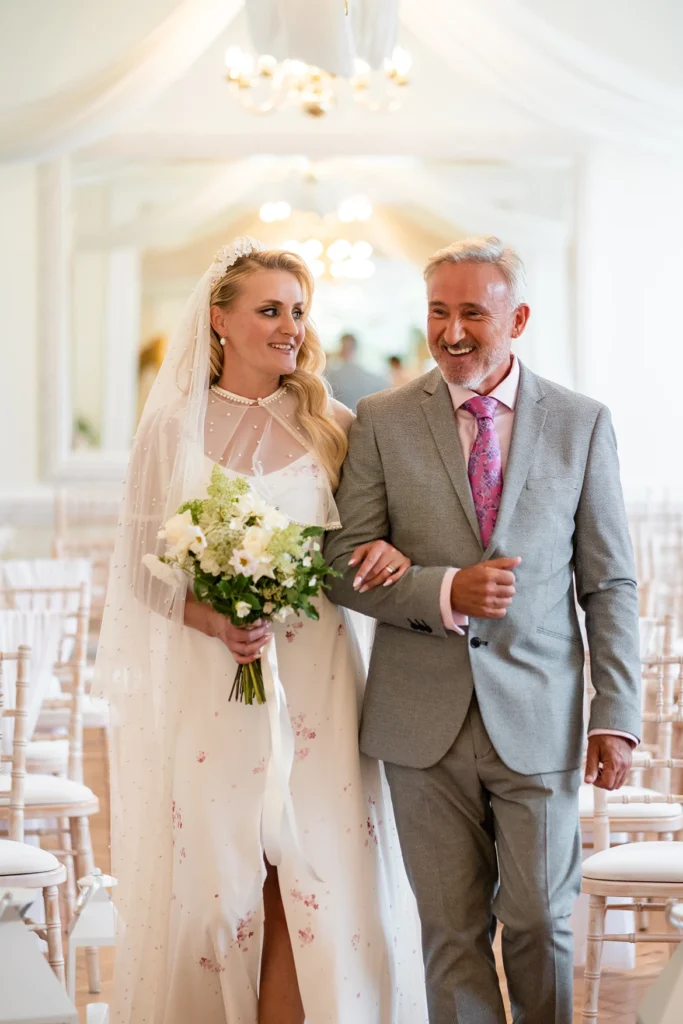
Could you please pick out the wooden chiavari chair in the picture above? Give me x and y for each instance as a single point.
(64, 801)
(23, 866)
(647, 871)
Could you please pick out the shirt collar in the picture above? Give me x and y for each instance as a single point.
(505, 393)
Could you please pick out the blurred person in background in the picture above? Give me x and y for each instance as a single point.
(398, 372)
(349, 381)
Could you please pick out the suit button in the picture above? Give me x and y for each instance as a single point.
(475, 642)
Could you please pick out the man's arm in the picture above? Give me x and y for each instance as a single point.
(414, 601)
(606, 588)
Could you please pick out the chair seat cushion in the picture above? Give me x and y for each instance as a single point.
(618, 811)
(48, 750)
(22, 859)
(637, 862)
(44, 790)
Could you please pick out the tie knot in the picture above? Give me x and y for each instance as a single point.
(483, 407)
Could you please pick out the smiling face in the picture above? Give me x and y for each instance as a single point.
(472, 323)
(263, 326)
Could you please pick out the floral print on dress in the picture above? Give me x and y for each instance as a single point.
(201, 757)
(245, 932)
(302, 897)
(306, 937)
(207, 964)
(176, 819)
(291, 633)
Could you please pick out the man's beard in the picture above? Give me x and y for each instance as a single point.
(473, 378)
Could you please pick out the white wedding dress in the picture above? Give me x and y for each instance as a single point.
(354, 929)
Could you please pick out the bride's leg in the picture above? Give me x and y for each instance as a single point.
(279, 996)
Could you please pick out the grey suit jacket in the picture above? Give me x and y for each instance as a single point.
(562, 511)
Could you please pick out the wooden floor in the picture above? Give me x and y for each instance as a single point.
(620, 992)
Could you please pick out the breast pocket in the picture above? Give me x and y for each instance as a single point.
(560, 484)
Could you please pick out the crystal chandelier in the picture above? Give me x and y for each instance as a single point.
(264, 84)
(338, 260)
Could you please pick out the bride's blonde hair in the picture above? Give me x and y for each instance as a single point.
(327, 437)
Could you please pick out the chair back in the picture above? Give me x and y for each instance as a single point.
(71, 605)
(17, 714)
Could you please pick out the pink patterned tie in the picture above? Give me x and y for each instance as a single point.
(485, 468)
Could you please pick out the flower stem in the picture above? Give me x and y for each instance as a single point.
(248, 684)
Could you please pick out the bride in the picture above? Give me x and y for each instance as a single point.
(260, 878)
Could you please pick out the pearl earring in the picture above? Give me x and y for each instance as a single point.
(223, 342)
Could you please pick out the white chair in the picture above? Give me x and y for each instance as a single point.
(23, 866)
(650, 871)
(55, 806)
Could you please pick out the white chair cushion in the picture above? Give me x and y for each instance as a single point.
(22, 859)
(637, 862)
(43, 790)
(618, 811)
(48, 750)
(95, 712)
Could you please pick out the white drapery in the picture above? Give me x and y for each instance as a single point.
(499, 44)
(320, 32)
(511, 52)
(93, 109)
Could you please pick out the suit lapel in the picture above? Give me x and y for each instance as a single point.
(438, 408)
(526, 432)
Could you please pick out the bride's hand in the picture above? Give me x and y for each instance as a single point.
(245, 643)
(379, 563)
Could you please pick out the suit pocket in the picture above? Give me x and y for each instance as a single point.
(552, 483)
(561, 636)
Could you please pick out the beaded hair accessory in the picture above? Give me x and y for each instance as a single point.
(228, 255)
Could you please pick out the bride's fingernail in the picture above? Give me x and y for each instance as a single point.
(352, 561)
(357, 582)
(364, 589)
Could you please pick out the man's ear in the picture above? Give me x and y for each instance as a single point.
(521, 318)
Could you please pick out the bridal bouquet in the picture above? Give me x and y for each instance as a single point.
(246, 559)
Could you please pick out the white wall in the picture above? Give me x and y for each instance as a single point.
(18, 328)
(629, 325)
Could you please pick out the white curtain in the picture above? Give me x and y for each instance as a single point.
(320, 32)
(92, 109)
(511, 52)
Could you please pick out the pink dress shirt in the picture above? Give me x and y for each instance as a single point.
(506, 394)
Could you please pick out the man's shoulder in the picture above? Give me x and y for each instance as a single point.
(398, 398)
(565, 398)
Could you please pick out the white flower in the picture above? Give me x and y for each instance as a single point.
(209, 563)
(181, 535)
(162, 570)
(252, 504)
(245, 564)
(306, 562)
(315, 546)
(275, 520)
(289, 582)
(242, 609)
(283, 614)
(256, 541)
(268, 608)
(313, 580)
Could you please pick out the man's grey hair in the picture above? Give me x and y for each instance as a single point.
(487, 249)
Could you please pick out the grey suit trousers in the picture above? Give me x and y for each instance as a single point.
(483, 843)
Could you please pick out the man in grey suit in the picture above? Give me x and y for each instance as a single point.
(503, 489)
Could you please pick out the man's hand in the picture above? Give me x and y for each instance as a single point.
(485, 590)
(608, 761)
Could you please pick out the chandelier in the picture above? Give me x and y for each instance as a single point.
(264, 84)
(339, 259)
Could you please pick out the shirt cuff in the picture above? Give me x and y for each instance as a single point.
(615, 732)
(452, 620)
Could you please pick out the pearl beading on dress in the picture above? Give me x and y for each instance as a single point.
(229, 396)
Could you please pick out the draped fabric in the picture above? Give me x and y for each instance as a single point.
(321, 33)
(513, 53)
(95, 107)
(499, 44)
